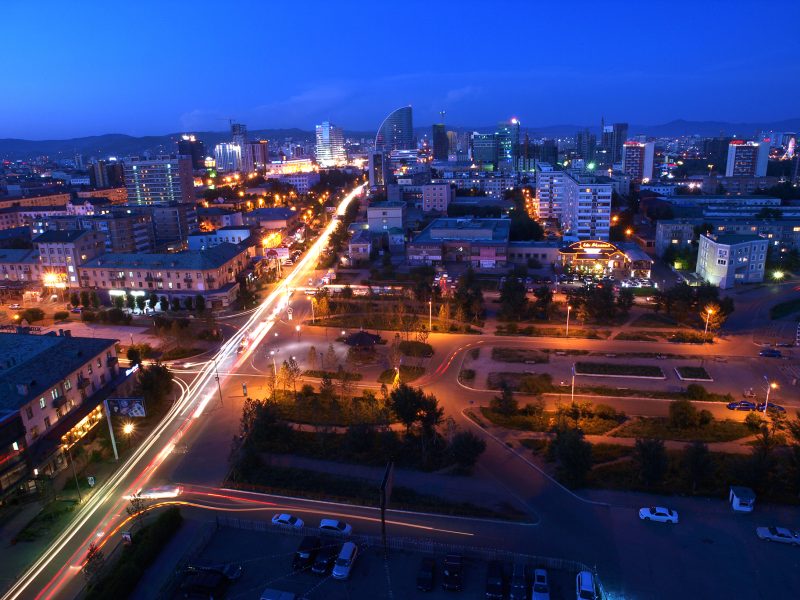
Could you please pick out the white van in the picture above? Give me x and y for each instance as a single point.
(345, 560)
(584, 586)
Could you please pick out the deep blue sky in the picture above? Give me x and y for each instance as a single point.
(153, 67)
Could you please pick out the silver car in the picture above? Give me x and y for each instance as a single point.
(778, 534)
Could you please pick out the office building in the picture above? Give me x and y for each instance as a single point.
(586, 211)
(747, 159)
(51, 393)
(441, 142)
(378, 169)
(396, 132)
(330, 145)
(484, 149)
(382, 216)
(239, 134)
(228, 157)
(508, 144)
(256, 156)
(61, 253)
(728, 259)
(637, 160)
(550, 191)
(195, 149)
(159, 180)
(436, 197)
(172, 223)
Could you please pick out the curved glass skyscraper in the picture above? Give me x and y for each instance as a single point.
(396, 132)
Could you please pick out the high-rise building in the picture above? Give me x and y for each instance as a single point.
(484, 149)
(716, 151)
(637, 160)
(441, 142)
(330, 145)
(158, 180)
(396, 132)
(256, 156)
(614, 136)
(587, 208)
(586, 144)
(508, 143)
(747, 159)
(620, 137)
(228, 157)
(550, 191)
(548, 151)
(378, 169)
(190, 146)
(453, 143)
(239, 134)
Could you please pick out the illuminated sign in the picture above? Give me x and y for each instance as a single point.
(132, 370)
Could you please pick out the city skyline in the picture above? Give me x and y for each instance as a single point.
(105, 81)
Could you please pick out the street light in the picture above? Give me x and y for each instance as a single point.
(709, 312)
(297, 329)
(430, 315)
(771, 385)
(128, 428)
(569, 308)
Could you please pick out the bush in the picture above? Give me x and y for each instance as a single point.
(695, 391)
(416, 349)
(88, 316)
(536, 384)
(61, 315)
(754, 421)
(31, 315)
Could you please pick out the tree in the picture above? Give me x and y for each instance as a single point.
(465, 449)
(141, 302)
(312, 358)
(188, 303)
(544, 302)
(513, 299)
(323, 308)
(330, 357)
(176, 304)
(505, 403)
(695, 391)
(155, 382)
(84, 298)
(326, 389)
(136, 508)
(200, 303)
(93, 563)
(650, 458)
(94, 299)
(75, 299)
(405, 402)
(682, 414)
(164, 303)
(715, 315)
(444, 313)
(573, 453)
(134, 355)
(119, 302)
(153, 300)
(696, 463)
(625, 300)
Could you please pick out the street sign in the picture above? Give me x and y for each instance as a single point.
(126, 537)
(289, 311)
(91, 481)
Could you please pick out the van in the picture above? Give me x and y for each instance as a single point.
(584, 586)
(345, 560)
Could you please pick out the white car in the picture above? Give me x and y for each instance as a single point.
(540, 590)
(658, 513)
(288, 520)
(335, 526)
(778, 534)
(158, 493)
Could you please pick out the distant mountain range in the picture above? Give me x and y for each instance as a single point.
(117, 144)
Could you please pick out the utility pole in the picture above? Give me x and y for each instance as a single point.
(216, 377)
(111, 430)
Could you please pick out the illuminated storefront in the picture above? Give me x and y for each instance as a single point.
(604, 258)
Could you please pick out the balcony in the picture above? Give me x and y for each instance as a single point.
(59, 402)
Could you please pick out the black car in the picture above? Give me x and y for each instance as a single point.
(495, 581)
(306, 553)
(453, 572)
(205, 583)
(771, 408)
(519, 582)
(426, 574)
(326, 556)
(231, 571)
(770, 353)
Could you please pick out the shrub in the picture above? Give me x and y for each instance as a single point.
(61, 315)
(31, 315)
(88, 316)
(695, 391)
(753, 421)
(536, 384)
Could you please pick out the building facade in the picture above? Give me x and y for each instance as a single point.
(159, 180)
(436, 197)
(637, 160)
(728, 259)
(382, 216)
(330, 150)
(747, 159)
(396, 132)
(62, 253)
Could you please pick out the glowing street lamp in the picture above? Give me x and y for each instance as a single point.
(569, 308)
(128, 428)
(709, 312)
(771, 385)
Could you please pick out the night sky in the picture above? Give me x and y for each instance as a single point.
(144, 67)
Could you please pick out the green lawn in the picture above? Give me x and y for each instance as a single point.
(416, 349)
(627, 370)
(519, 355)
(784, 309)
(333, 374)
(687, 372)
(407, 374)
(658, 427)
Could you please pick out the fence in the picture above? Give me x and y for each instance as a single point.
(422, 545)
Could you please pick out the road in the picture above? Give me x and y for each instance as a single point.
(56, 574)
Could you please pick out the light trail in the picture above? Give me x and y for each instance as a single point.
(202, 388)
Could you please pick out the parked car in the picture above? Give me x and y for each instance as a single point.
(231, 571)
(771, 407)
(519, 582)
(453, 572)
(540, 588)
(335, 526)
(584, 586)
(287, 520)
(325, 558)
(426, 574)
(770, 353)
(273, 594)
(741, 405)
(14, 306)
(306, 553)
(495, 580)
(205, 583)
(77, 310)
(778, 534)
(344, 562)
(659, 514)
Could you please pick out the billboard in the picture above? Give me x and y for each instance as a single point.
(126, 407)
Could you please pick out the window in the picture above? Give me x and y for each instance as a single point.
(29, 412)
(67, 385)
(99, 363)
(47, 422)
(89, 368)
(54, 394)
(42, 403)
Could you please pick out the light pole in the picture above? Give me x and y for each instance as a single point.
(297, 329)
(572, 396)
(709, 312)
(75, 475)
(771, 385)
(216, 377)
(430, 315)
(569, 308)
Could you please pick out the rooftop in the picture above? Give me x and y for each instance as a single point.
(278, 212)
(488, 231)
(27, 209)
(64, 236)
(387, 204)
(210, 258)
(10, 255)
(730, 239)
(32, 364)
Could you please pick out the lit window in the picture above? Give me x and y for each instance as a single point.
(42, 403)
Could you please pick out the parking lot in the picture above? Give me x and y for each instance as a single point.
(266, 560)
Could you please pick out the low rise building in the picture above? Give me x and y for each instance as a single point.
(211, 273)
(271, 218)
(728, 259)
(19, 265)
(224, 235)
(482, 243)
(216, 218)
(360, 245)
(51, 393)
(62, 253)
(383, 216)
(436, 197)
